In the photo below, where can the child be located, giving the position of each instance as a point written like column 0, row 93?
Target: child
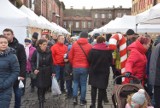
column 137, row 100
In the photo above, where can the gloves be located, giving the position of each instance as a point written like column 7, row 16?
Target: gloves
column 128, row 74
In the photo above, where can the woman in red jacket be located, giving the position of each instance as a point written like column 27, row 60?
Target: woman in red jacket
column 136, row 62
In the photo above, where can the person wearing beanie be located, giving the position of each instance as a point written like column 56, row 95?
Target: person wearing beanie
column 29, row 49
column 78, row 57
column 137, row 100
column 131, row 36
column 34, row 39
column 95, row 38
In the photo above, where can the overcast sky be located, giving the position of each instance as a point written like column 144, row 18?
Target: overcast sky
column 78, row 4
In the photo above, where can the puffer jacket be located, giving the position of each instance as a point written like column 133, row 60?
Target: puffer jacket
column 9, row 71
column 77, row 56
column 137, row 61
column 58, row 50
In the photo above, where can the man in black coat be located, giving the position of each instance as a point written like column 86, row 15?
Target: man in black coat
column 21, row 55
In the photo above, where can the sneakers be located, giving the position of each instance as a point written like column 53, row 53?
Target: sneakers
column 83, row 102
column 75, row 101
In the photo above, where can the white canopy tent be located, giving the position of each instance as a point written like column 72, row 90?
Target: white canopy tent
column 13, row 18
column 37, row 21
column 152, row 16
column 128, row 22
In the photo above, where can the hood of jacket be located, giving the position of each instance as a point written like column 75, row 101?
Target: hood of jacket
column 100, row 46
column 82, row 41
column 138, row 46
column 7, row 52
column 40, row 51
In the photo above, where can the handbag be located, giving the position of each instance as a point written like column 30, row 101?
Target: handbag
column 33, row 76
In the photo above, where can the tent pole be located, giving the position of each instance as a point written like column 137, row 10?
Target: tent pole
column 136, row 27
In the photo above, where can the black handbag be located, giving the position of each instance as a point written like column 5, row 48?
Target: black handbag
column 33, row 76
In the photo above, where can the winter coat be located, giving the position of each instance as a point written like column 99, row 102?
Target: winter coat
column 43, row 78
column 76, row 55
column 21, row 55
column 154, row 70
column 100, row 59
column 9, row 71
column 58, row 51
column 137, row 61
column 31, row 51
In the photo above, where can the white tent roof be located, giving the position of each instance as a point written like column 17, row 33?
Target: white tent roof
column 153, row 16
column 36, row 21
column 128, row 22
column 11, row 16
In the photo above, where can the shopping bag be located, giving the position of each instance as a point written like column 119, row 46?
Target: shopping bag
column 55, row 87
column 21, row 85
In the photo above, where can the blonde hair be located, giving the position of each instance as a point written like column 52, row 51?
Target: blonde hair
column 129, row 99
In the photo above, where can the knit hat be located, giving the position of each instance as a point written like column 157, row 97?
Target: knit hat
column 139, row 97
column 28, row 40
column 35, row 35
column 83, row 34
column 130, row 32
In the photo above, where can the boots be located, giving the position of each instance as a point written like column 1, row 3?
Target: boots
column 92, row 106
column 99, row 106
column 41, row 105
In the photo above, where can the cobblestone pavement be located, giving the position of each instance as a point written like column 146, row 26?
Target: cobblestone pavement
column 30, row 100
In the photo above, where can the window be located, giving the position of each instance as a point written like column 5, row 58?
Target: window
column 77, row 24
column 83, row 24
column 102, row 15
column 96, row 15
column 119, row 14
column 110, row 16
column 89, row 24
column 70, row 24
column 65, row 24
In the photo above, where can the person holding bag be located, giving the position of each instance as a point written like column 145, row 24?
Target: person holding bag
column 43, row 69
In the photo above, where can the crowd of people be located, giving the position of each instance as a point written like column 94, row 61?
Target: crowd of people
column 71, row 60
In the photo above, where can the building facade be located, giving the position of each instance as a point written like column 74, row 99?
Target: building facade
column 50, row 9
column 139, row 6
column 77, row 20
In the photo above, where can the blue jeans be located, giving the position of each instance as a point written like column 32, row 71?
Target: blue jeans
column 60, row 76
column 18, row 93
column 80, row 76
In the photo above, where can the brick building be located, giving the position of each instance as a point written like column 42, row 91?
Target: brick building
column 77, row 20
column 139, row 6
column 50, row 9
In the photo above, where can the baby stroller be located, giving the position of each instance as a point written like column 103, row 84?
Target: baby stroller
column 121, row 91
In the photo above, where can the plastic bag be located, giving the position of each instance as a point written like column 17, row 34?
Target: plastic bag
column 21, row 85
column 55, row 87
